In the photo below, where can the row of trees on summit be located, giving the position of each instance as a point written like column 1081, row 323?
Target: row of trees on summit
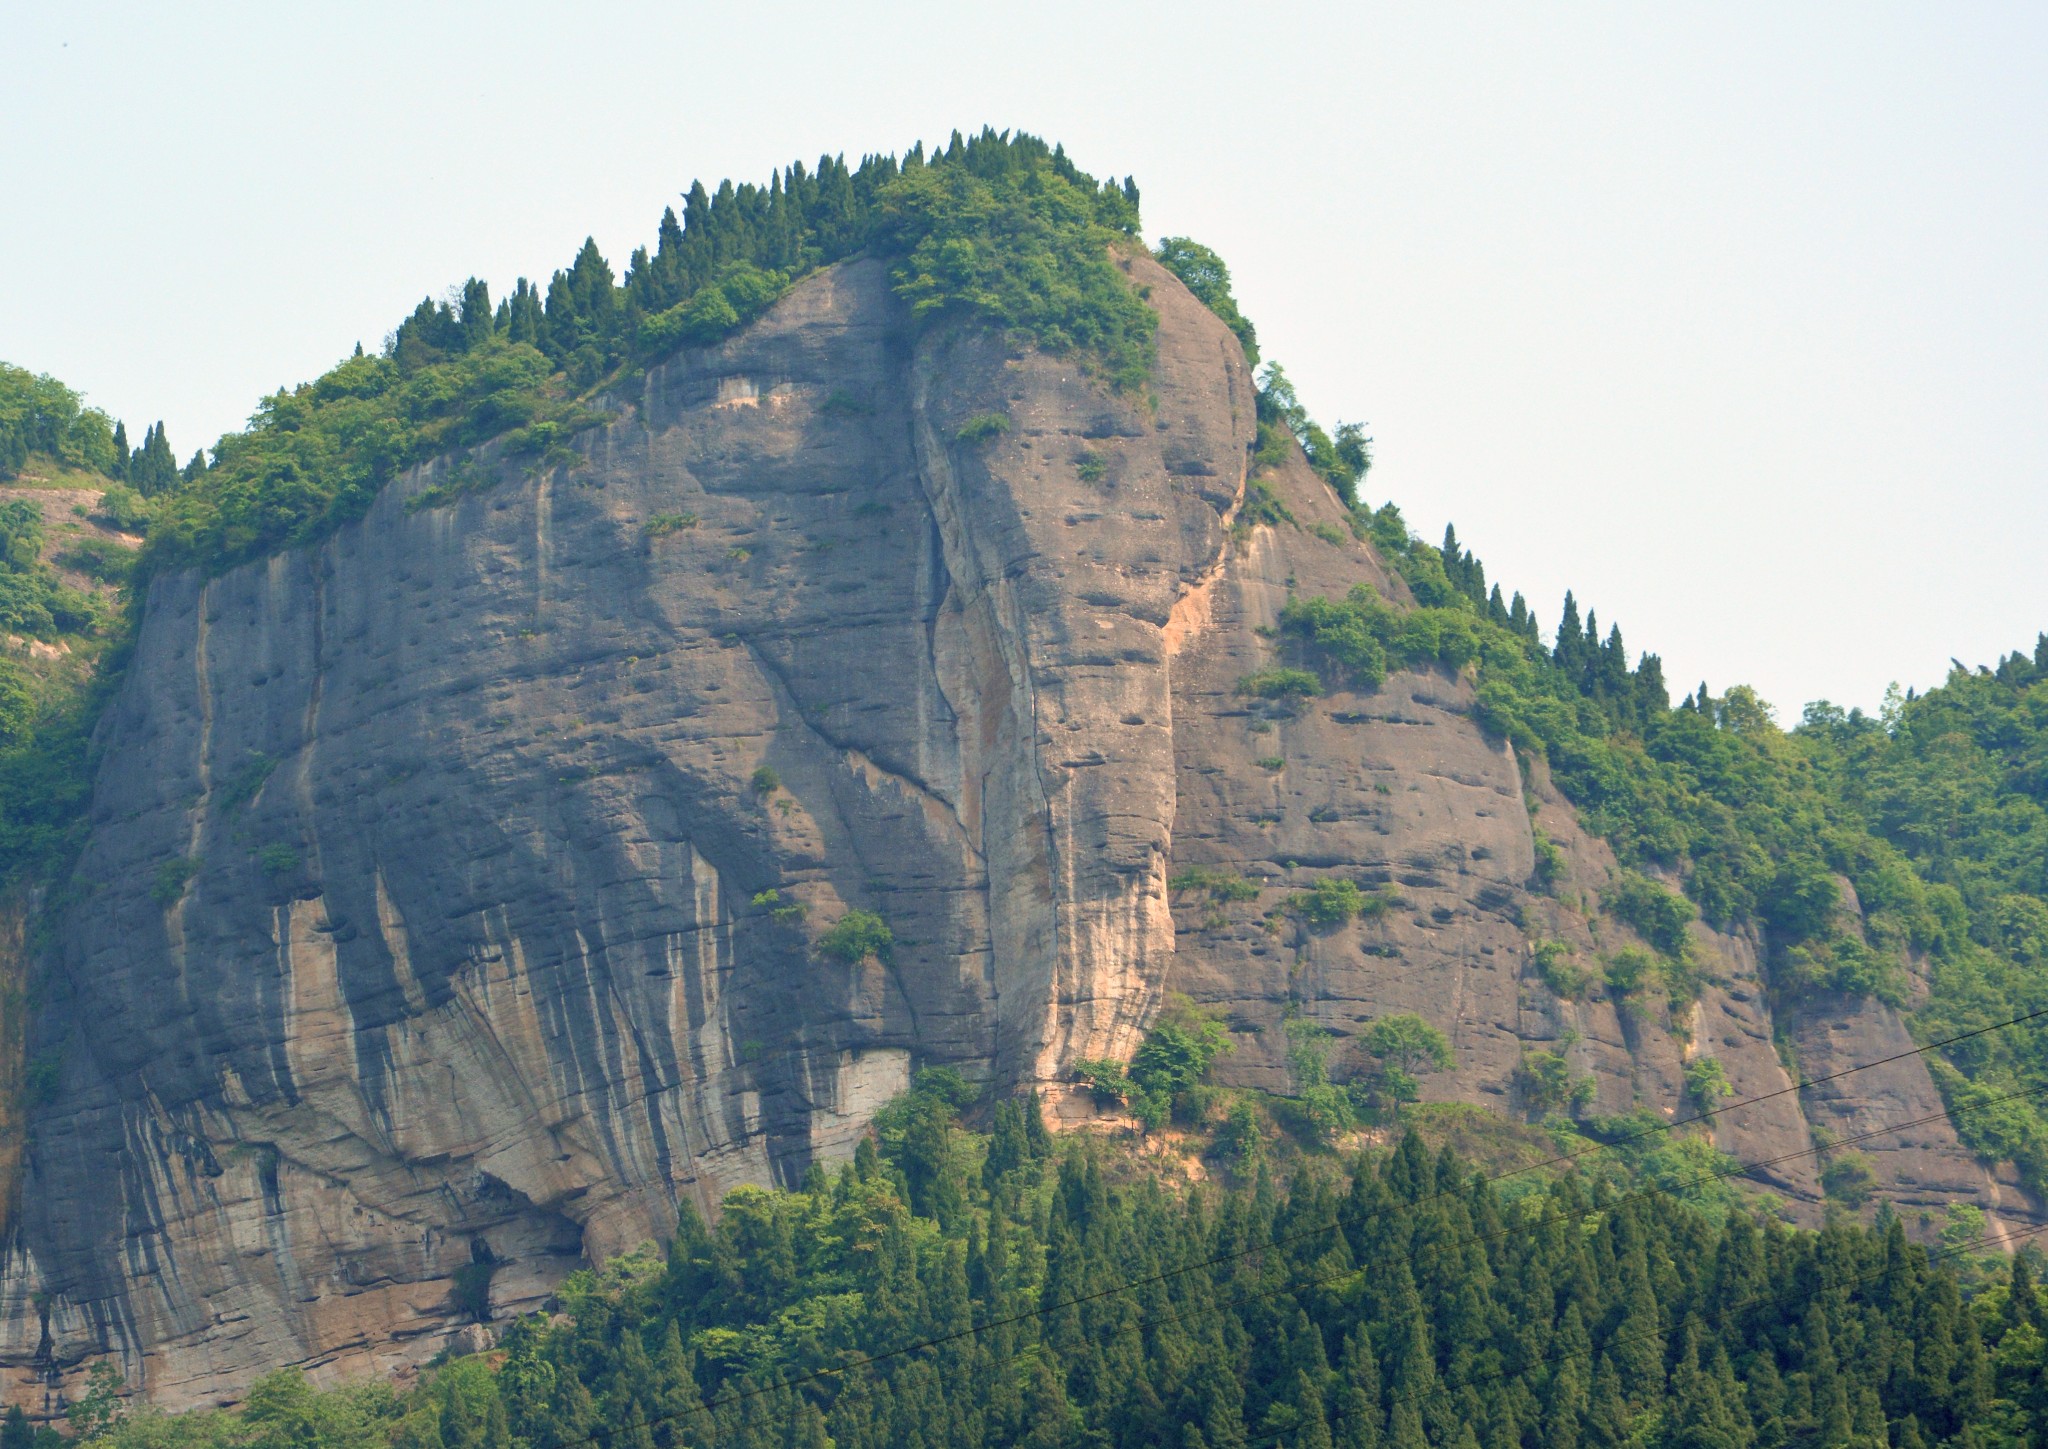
column 41, row 417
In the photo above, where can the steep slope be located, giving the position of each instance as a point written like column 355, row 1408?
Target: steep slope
column 459, row 888
column 1399, row 788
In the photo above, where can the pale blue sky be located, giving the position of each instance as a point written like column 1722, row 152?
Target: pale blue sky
column 1733, row 318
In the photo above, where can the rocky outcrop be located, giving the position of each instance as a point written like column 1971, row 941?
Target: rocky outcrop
column 453, row 903
column 1400, row 789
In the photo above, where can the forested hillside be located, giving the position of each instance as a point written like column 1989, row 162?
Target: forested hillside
column 955, row 1289
column 74, row 496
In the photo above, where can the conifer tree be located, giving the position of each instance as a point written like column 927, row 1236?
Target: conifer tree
column 1311, row 1422
column 1570, row 639
column 153, row 468
column 1359, row 1416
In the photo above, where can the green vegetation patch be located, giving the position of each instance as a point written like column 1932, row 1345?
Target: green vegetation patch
column 1706, row 1082
column 171, row 878
column 661, row 525
column 1658, row 916
column 1280, row 683
column 1009, row 236
column 1166, row 1074
column 41, row 416
column 997, row 230
column 1333, row 901
column 983, row 428
column 1546, row 1082
column 1564, row 975
column 855, row 937
column 1204, row 273
column 1218, row 885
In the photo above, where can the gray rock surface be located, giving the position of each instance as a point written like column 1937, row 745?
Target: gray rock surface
column 425, row 916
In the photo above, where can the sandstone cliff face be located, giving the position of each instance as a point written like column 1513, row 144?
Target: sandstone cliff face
column 1400, row 788
column 424, row 921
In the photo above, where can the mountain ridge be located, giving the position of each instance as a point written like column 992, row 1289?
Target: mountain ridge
column 1108, row 639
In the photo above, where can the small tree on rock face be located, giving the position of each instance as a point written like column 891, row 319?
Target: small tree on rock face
column 1706, row 1082
column 857, row 935
column 1406, row 1045
column 1174, row 1059
column 101, row 1406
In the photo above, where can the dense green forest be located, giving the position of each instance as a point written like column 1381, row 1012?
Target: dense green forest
column 960, row 1289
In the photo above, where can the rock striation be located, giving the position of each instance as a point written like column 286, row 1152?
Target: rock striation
column 453, row 904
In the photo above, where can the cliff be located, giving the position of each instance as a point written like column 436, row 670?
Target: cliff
column 423, row 950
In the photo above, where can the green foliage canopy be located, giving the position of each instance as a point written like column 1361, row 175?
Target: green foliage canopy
column 1398, row 1301
column 997, row 229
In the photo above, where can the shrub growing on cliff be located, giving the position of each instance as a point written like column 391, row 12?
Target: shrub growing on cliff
column 171, row 878
column 982, row 428
column 1546, row 1082
column 1405, row 1046
column 1168, row 1068
column 1631, row 971
column 1329, row 902
column 1262, row 505
column 1280, row 684
column 1659, row 916
column 1333, row 900
column 1339, row 461
column 1706, row 1082
column 1218, row 885
column 1323, row 1108
column 1848, row 1178
column 661, row 525
column 1108, row 1079
column 1560, row 972
column 856, row 936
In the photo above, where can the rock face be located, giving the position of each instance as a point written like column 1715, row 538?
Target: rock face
column 454, row 899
